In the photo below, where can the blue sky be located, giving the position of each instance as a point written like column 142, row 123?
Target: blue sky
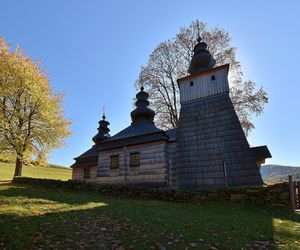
column 93, row 51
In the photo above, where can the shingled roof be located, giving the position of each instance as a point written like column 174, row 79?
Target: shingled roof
column 91, row 152
column 136, row 129
column 141, row 130
column 171, row 133
column 88, row 158
column 261, row 152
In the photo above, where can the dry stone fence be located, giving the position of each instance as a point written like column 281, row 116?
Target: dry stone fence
column 277, row 195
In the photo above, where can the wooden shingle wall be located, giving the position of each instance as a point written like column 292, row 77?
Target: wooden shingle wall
column 171, row 159
column 210, row 134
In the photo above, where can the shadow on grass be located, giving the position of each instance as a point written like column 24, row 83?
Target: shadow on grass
column 32, row 218
column 75, row 217
column 57, row 195
column 5, row 182
column 73, row 229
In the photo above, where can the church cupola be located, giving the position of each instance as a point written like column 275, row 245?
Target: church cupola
column 142, row 112
column 204, row 79
column 102, row 131
column 202, row 59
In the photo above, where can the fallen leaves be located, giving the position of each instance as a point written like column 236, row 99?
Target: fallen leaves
column 94, row 232
column 264, row 244
column 35, row 212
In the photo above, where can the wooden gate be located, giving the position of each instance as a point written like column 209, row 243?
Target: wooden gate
column 294, row 193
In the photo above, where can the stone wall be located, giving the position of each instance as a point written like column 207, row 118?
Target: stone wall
column 276, row 195
column 153, row 170
column 273, row 195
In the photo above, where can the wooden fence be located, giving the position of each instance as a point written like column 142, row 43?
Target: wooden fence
column 294, row 193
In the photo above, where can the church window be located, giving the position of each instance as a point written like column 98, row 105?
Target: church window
column 135, row 159
column 191, row 83
column 114, row 161
column 213, row 77
column 86, row 173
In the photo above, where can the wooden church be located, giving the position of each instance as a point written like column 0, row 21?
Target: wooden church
column 207, row 150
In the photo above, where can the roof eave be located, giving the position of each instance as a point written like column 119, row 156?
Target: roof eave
column 134, row 140
column 204, row 72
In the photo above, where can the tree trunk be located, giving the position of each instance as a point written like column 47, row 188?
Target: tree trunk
column 19, row 165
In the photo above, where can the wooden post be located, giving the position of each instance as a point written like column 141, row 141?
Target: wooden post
column 224, row 172
column 296, row 191
column 125, row 152
column 292, row 194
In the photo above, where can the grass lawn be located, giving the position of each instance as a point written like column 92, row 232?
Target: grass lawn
column 51, row 172
column 32, row 217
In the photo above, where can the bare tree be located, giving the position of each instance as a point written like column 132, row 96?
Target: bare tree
column 170, row 60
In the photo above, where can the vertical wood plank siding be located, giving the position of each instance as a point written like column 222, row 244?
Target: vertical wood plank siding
column 152, row 169
column 78, row 172
column 204, row 86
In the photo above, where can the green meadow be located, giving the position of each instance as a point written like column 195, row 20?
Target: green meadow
column 32, row 217
column 51, row 172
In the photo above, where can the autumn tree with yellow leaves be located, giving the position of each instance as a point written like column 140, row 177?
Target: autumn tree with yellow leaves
column 31, row 114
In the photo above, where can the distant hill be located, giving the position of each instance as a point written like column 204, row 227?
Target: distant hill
column 279, row 173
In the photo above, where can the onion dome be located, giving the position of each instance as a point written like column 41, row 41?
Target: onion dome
column 142, row 112
column 202, row 59
column 102, row 131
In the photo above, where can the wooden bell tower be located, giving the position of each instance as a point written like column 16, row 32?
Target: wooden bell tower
column 212, row 150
